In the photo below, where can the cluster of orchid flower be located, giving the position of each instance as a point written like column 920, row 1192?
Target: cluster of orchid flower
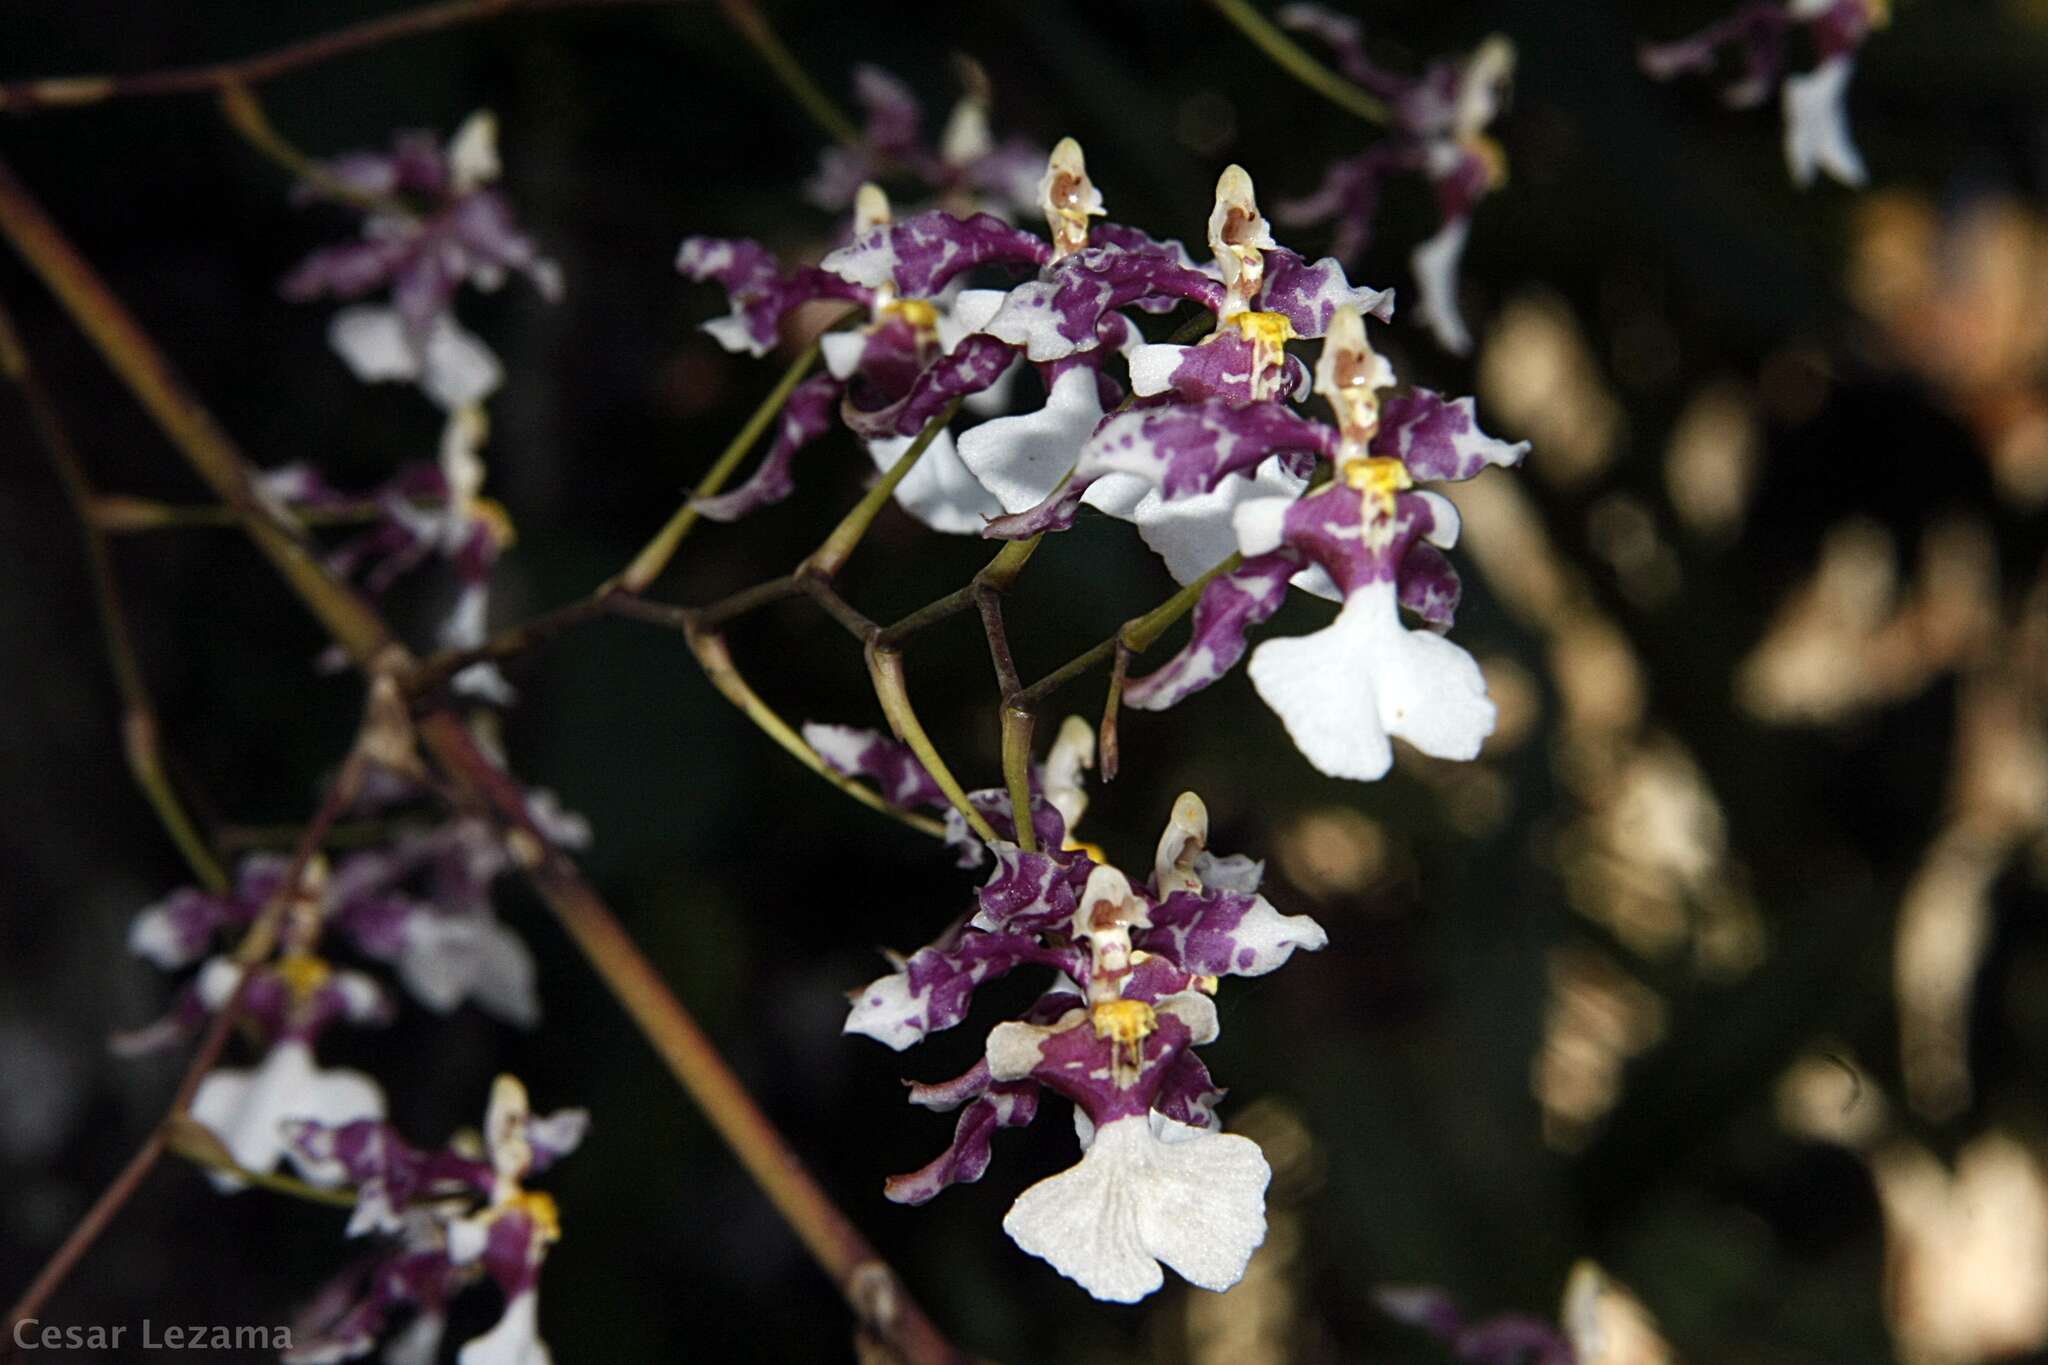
column 1817, row 137
column 432, row 222
column 1209, row 456
column 1236, row 489
column 419, row 903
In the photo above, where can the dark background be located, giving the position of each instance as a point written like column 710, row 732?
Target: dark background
column 1664, row 227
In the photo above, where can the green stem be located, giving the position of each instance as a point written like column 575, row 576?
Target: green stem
column 746, row 16
column 885, row 669
column 648, row 564
column 1296, row 61
column 829, row 558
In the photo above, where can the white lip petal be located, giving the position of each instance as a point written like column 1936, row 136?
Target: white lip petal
column 1344, row 691
column 1435, row 263
column 1137, row 1200
column 246, row 1110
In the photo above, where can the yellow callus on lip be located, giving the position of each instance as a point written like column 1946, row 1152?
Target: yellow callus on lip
column 493, row 515
column 1494, row 156
column 1380, row 475
column 1126, row 1022
column 541, row 1208
column 919, row 313
column 303, row 974
column 1264, row 329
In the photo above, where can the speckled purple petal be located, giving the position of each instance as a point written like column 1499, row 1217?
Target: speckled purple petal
column 1348, row 197
column 921, row 255
column 759, row 290
column 1226, row 933
column 1430, row 587
column 933, row 989
column 1033, row 893
column 807, row 415
column 1188, row 1094
column 1056, row 316
column 1226, row 365
column 1439, row 439
column 990, row 1106
column 1231, row 605
column 1758, row 29
column 1310, row 294
column 1329, row 527
column 346, row 270
column 1185, row 449
column 853, row 752
column 1084, row 1068
column 387, row 1172
column 972, row 366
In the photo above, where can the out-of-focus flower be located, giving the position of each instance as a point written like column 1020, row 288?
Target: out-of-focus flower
column 1816, row 122
column 969, row 171
column 436, row 223
column 453, row 1217
column 1437, row 126
column 425, row 512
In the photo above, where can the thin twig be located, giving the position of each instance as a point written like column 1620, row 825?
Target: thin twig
column 1135, row 635
column 746, row 17
column 1296, row 62
column 892, row 690
column 648, row 564
column 140, row 733
column 830, row 557
column 52, row 91
column 871, row 1289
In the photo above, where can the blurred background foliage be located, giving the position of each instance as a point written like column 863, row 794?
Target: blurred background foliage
column 1724, row 966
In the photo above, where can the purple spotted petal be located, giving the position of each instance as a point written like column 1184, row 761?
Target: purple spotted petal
column 1346, row 41
column 805, row 417
column 1438, row 439
column 1329, row 526
column 1229, row 606
column 1758, row 30
column 1083, row 1067
column 387, row 1172
column 933, row 989
column 989, row 1105
column 1185, row 449
column 1430, row 587
column 1226, row 365
column 890, row 765
column 1188, row 1094
column 1032, row 893
column 975, row 364
column 994, row 805
column 1310, row 294
column 1226, row 933
column 1054, row 317
column 759, row 290
column 349, row 1316
column 921, row 255
column 347, row 270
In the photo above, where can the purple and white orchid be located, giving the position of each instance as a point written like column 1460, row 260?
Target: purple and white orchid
column 917, row 351
column 434, row 223
column 1817, row 137
column 1134, row 969
column 1346, row 690
column 1436, row 129
column 453, row 1216
column 1262, row 295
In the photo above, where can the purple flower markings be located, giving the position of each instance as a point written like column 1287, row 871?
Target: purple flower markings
column 1436, row 129
column 436, row 225
column 1133, row 969
column 447, row 1219
column 1817, row 137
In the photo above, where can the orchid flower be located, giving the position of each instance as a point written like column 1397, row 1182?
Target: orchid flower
column 887, row 379
column 1344, row 691
column 1817, row 137
column 969, row 170
column 1115, row 1033
column 1263, row 297
column 291, row 999
column 426, row 511
column 436, row 225
column 455, row 1215
column 1437, row 129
